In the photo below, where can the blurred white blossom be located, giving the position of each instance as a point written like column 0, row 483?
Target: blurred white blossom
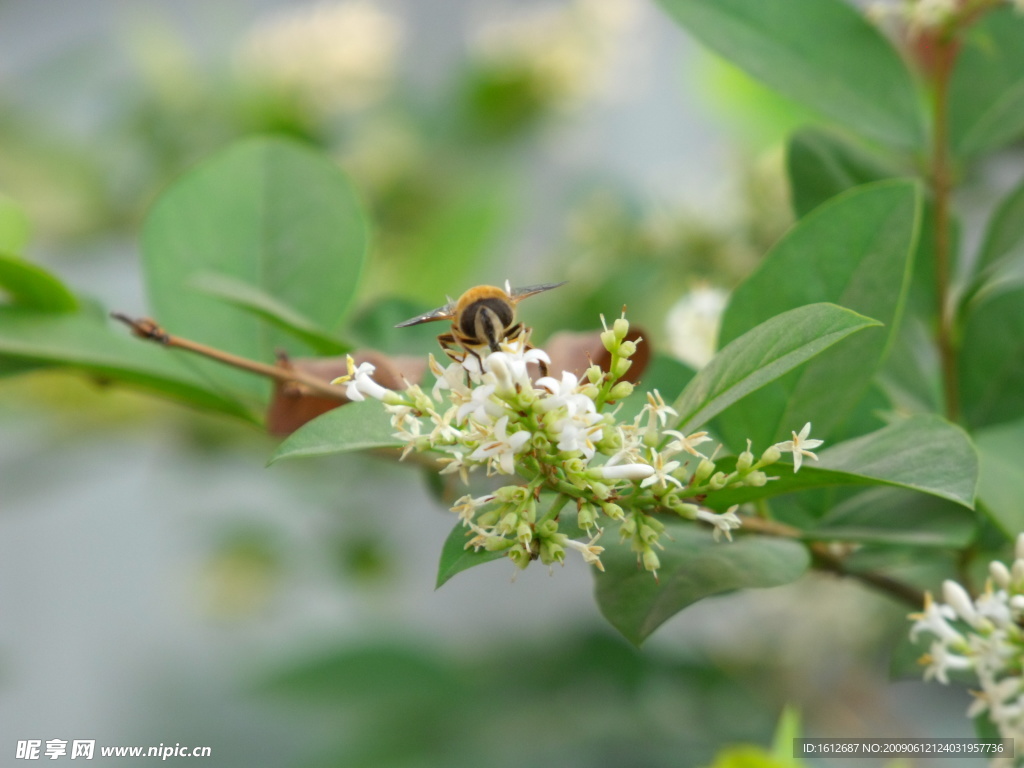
column 328, row 56
column 693, row 323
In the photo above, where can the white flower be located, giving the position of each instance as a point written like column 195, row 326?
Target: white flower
column 693, row 323
column 723, row 522
column 452, row 378
column 466, row 506
column 940, row 659
column 589, row 552
column 359, row 382
column 935, row 619
column 686, row 442
column 629, row 446
column 501, row 449
column 328, row 55
column 800, row 446
column 481, row 406
column 662, row 474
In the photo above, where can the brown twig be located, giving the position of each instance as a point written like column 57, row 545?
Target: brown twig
column 145, row 328
column 826, row 560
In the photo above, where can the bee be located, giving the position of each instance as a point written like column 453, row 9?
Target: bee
column 482, row 317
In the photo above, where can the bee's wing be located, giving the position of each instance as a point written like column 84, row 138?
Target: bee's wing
column 518, row 294
column 441, row 313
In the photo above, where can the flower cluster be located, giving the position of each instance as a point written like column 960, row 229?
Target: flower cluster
column 487, row 411
column 984, row 635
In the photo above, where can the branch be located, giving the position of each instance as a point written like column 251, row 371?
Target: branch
column 147, row 329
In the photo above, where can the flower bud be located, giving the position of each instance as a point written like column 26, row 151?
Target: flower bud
column 489, row 518
column 621, row 391
column 551, row 552
column 547, row 529
column 620, row 366
column 600, row 490
column 1000, row 574
column 650, row 560
column 520, row 556
column 609, row 341
column 614, row 511
column 703, row 471
column 624, row 472
column 524, row 534
column 497, row 544
column 590, row 391
column 756, row 479
column 744, row 461
column 628, row 528
column 627, row 349
column 958, row 599
column 585, row 517
column 718, row 481
column 510, row 494
column 594, row 374
column 647, row 534
column 508, row 523
column 621, row 328
column 771, row 455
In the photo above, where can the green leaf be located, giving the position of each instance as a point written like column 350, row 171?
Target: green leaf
column 33, row 287
column 352, row 427
column 987, row 88
column 693, row 566
column 762, row 355
column 854, row 251
column 262, row 304
column 924, row 453
column 1001, row 482
column 272, row 214
column 14, row 226
column 821, row 165
column 85, row 343
column 455, row 558
column 823, row 53
column 991, row 362
column 895, row 516
column 1000, row 266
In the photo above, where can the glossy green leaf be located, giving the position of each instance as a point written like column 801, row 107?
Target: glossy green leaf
column 272, row 214
column 823, row 53
column 351, row 427
column 854, row 251
column 1001, row 482
column 991, row 361
column 263, row 305
column 455, row 558
column 761, row 355
column 693, row 566
column 987, row 89
column 14, row 226
column 82, row 342
column 923, row 453
column 33, row 287
column 821, row 165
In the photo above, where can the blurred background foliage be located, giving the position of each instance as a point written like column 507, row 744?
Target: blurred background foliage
column 160, row 586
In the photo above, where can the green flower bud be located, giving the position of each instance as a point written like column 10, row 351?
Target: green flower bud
column 600, row 490
column 497, row 544
column 704, row 470
column 541, row 443
column 628, row 528
column 489, row 518
column 590, row 390
column 744, row 461
column 585, row 517
column 621, row 328
column 756, row 479
column 547, row 529
column 609, row 341
column 647, row 534
column 620, row 366
column 627, row 349
column 688, row 511
column 520, row 556
column 524, row 534
column 594, row 374
column 771, row 455
column 650, row 560
column 654, row 523
column 718, row 481
column 508, row 523
column 510, row 494
column 621, row 391
column 614, row 511
column 551, row 552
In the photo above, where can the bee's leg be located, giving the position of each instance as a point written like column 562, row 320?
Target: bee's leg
column 450, row 345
